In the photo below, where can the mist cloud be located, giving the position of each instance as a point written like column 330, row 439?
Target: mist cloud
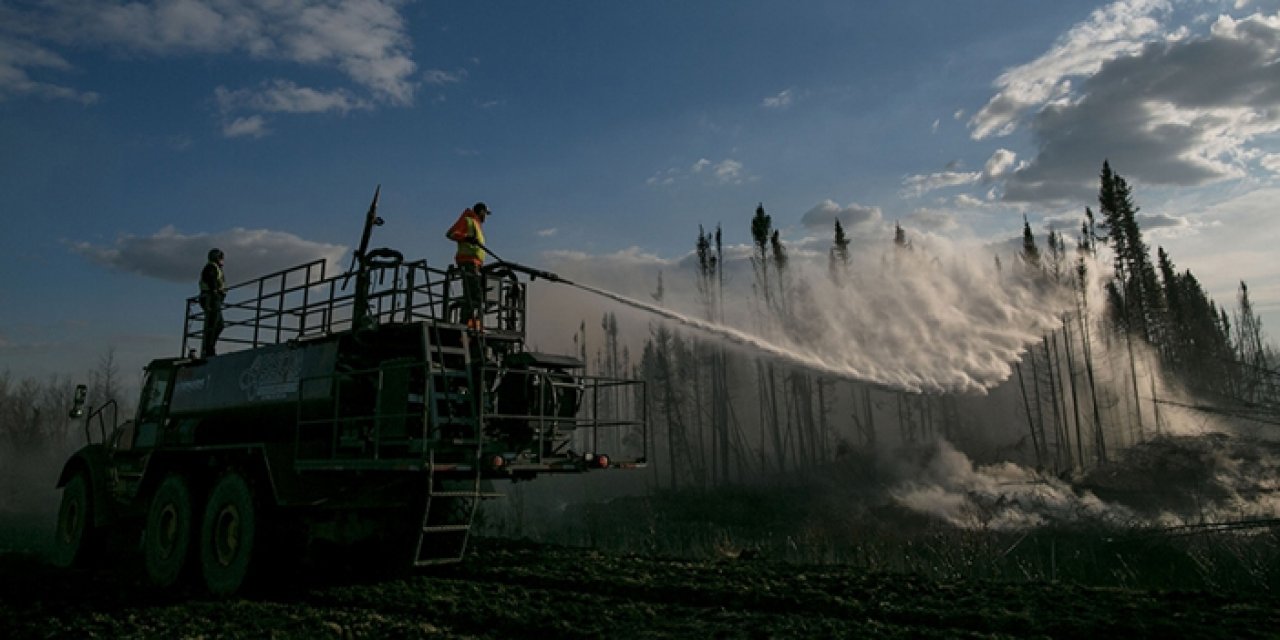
column 939, row 318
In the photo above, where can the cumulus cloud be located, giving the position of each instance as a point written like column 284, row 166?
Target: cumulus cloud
column 1271, row 162
column 176, row 257
column 1118, row 29
column 366, row 40
column 728, row 171
column 824, row 215
column 999, row 163
column 1176, row 110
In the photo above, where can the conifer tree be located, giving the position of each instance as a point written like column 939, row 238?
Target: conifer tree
column 838, row 259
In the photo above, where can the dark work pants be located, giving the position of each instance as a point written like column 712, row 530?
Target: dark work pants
column 213, row 324
column 472, row 293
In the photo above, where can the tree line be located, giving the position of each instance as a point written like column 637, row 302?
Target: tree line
column 1106, row 377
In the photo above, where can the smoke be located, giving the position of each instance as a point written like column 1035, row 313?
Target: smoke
column 944, row 484
column 1169, row 481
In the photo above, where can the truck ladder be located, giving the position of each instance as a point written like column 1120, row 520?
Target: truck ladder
column 453, row 495
column 451, row 505
column 452, row 396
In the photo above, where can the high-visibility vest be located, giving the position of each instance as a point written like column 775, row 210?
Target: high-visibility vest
column 468, row 225
column 219, row 283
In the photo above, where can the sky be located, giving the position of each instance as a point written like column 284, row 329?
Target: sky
column 137, row 135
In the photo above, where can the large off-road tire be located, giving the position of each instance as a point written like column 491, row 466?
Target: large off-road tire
column 167, row 539
column 75, row 541
column 228, row 534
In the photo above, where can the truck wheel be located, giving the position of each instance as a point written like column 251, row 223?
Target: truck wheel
column 74, row 541
column 227, row 535
column 167, row 539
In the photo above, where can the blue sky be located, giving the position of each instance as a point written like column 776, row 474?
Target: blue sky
column 136, row 135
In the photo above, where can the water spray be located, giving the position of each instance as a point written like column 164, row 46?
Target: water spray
column 735, row 336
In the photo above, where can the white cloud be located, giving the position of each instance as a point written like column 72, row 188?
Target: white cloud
column 176, row 257
column 999, row 162
column 283, row 96
column 547, row 233
column 251, row 126
column 1183, row 112
column 441, row 77
column 780, row 101
column 995, row 167
column 967, row 201
column 630, row 257
column 1119, row 29
column 18, row 57
column 365, row 39
column 1271, row 162
column 920, row 184
column 727, row 171
column 824, row 215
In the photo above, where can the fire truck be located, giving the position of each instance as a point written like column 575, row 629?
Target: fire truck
column 342, row 409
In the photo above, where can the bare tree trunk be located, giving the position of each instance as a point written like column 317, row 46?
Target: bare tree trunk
column 1133, row 377
column 1031, row 424
column 1054, row 397
column 1075, row 396
column 1100, row 449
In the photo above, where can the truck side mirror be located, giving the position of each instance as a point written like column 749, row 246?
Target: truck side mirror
column 77, row 408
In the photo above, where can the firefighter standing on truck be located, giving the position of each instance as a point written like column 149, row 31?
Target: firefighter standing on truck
column 469, row 235
column 213, row 290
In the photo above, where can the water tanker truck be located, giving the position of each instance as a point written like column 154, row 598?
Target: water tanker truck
column 350, row 410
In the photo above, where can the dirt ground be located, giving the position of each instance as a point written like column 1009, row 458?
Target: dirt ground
column 510, row 589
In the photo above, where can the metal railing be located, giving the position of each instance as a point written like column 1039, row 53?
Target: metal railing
column 361, row 424
column 303, row 302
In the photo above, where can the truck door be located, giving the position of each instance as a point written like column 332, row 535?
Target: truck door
column 136, row 439
column 153, row 407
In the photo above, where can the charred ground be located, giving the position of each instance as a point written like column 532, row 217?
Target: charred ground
column 507, row 589
column 833, row 555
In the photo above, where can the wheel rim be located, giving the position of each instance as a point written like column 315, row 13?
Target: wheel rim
column 226, row 535
column 71, row 522
column 168, row 530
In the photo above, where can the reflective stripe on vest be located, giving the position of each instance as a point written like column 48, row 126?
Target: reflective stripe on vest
column 468, row 225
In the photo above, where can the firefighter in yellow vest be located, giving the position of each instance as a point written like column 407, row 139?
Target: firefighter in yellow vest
column 469, row 235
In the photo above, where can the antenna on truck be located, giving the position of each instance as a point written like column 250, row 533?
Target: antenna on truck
column 360, row 317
